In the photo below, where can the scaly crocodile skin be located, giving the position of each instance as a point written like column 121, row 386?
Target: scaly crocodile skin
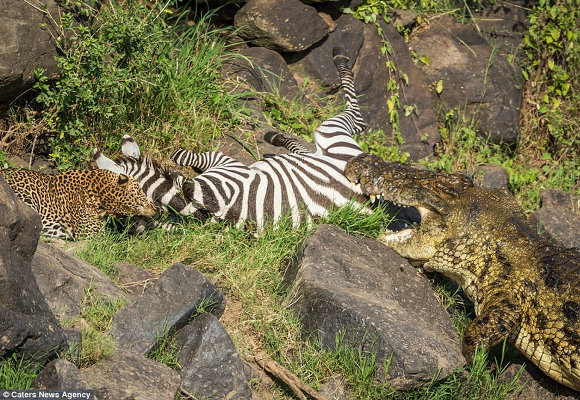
column 524, row 288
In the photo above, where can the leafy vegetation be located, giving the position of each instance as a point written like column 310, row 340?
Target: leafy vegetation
column 135, row 70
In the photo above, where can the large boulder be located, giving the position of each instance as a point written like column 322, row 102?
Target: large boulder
column 210, row 364
column 476, row 78
column 164, row 308
column 129, row 376
column 263, row 70
column 419, row 130
column 59, row 374
column 64, row 280
column 317, row 61
column 366, row 295
column 28, row 31
column 26, row 322
column 288, row 25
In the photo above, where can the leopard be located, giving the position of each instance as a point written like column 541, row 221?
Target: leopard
column 74, row 204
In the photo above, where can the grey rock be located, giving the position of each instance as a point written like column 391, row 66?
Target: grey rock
column 64, row 279
column 264, row 70
column 26, row 44
column 404, row 18
column 287, row 25
column 554, row 198
column 475, row 80
column 334, row 388
column 370, row 297
column 133, row 279
column 536, row 385
column 504, row 24
column 419, row 130
column 492, row 176
column 165, row 307
column 129, row 376
column 26, row 323
column 558, row 223
column 317, row 61
column 59, row 374
column 211, row 366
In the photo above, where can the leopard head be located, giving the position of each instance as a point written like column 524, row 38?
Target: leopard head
column 121, row 195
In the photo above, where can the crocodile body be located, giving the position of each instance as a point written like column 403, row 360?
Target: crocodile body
column 524, row 288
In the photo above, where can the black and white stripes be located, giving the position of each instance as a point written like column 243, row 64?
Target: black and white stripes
column 303, row 184
column 278, row 139
column 161, row 185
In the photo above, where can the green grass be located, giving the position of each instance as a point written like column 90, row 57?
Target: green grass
column 17, row 373
column 249, row 271
column 166, row 351
column 94, row 322
column 302, row 115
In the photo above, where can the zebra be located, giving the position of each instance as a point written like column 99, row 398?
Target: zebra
column 161, row 185
column 306, row 185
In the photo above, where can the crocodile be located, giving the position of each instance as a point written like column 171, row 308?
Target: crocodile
column 525, row 289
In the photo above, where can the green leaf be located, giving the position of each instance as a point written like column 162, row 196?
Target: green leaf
column 439, row 86
column 565, row 88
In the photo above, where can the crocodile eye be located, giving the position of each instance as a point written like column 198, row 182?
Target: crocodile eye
column 571, row 310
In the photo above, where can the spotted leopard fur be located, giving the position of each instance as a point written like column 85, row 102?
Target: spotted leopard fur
column 74, row 203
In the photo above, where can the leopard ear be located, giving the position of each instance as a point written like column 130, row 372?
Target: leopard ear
column 123, row 179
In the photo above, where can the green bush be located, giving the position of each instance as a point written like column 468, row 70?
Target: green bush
column 136, row 70
column 551, row 66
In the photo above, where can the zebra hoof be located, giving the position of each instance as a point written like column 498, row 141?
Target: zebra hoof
column 270, row 136
column 339, row 52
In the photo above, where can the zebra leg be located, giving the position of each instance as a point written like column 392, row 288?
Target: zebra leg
column 334, row 137
column 201, row 162
column 289, row 143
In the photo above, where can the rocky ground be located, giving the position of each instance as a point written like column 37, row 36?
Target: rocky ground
column 362, row 284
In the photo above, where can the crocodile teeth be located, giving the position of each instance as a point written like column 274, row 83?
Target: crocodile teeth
column 401, row 236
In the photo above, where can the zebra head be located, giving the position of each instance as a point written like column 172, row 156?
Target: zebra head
column 162, row 186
